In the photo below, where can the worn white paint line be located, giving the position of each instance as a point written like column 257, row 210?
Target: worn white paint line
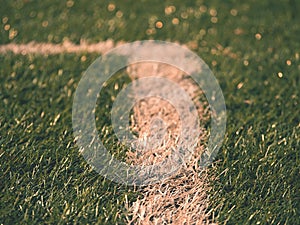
column 65, row 47
column 182, row 198
column 44, row 48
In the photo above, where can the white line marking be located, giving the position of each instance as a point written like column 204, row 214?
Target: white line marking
column 65, row 47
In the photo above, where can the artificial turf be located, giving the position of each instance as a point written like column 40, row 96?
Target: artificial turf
column 254, row 51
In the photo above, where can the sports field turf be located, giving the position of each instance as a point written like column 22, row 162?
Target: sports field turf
column 252, row 47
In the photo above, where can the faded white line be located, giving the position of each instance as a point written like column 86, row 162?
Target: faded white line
column 44, row 48
column 65, row 47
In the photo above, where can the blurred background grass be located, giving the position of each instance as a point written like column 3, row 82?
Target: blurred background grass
column 253, row 49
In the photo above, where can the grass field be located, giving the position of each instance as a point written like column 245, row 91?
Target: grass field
column 253, row 49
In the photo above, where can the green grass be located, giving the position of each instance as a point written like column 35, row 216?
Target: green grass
column 45, row 180
column 44, row 177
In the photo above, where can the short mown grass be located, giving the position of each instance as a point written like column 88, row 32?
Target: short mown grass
column 44, row 178
column 253, row 49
